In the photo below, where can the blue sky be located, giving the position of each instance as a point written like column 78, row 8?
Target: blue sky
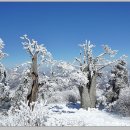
column 62, row 26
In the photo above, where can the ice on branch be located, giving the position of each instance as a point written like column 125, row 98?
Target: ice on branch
column 2, row 54
column 109, row 51
column 33, row 48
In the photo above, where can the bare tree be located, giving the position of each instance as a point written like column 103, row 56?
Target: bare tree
column 92, row 66
column 35, row 51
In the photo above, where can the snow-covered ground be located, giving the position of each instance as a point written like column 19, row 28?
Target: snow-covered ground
column 69, row 115
column 65, row 115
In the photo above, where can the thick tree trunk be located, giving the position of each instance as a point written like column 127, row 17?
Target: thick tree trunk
column 84, row 96
column 88, row 94
column 33, row 95
column 92, row 91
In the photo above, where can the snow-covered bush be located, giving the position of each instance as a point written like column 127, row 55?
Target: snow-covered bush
column 4, row 96
column 122, row 105
column 24, row 116
column 22, row 90
column 71, row 96
column 65, row 96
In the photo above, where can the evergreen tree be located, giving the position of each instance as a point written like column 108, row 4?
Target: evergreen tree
column 118, row 80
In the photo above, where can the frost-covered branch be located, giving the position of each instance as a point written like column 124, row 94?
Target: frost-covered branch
column 105, row 65
column 34, row 48
column 2, row 54
column 87, row 47
column 79, row 60
column 99, row 62
column 109, row 51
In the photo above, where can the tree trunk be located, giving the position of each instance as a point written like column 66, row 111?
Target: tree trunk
column 84, row 96
column 88, row 94
column 92, row 91
column 33, row 95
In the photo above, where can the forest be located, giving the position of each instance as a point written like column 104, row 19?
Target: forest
column 94, row 90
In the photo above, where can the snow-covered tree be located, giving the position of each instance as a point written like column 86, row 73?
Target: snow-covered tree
column 122, row 105
column 4, row 88
column 118, row 90
column 2, row 69
column 36, row 51
column 92, row 67
column 118, row 80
